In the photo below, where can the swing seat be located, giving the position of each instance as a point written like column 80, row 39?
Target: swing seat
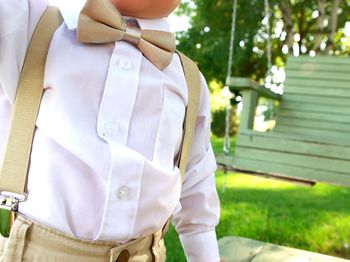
column 311, row 139
column 240, row 249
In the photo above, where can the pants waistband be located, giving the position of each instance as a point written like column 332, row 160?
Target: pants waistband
column 36, row 242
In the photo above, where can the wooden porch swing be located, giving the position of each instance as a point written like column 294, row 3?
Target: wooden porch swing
column 311, row 139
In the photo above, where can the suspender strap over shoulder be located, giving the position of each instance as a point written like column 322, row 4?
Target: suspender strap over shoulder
column 26, row 107
column 192, row 76
column 14, row 169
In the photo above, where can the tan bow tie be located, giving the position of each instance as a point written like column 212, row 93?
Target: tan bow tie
column 101, row 22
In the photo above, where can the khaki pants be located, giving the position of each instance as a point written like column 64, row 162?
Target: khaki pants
column 32, row 242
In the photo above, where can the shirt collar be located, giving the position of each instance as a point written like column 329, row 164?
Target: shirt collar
column 70, row 12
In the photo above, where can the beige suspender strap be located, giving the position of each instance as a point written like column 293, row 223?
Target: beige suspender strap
column 192, row 76
column 13, row 174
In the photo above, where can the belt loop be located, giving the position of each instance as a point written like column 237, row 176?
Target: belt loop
column 155, row 247
column 16, row 241
column 158, row 249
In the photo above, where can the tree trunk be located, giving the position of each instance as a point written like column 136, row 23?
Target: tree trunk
column 288, row 23
column 319, row 26
column 302, row 29
column 332, row 25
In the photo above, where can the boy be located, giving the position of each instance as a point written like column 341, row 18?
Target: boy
column 103, row 163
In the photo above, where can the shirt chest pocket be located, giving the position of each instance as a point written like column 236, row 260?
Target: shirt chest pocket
column 170, row 128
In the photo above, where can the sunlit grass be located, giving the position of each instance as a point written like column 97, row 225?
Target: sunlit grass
column 312, row 218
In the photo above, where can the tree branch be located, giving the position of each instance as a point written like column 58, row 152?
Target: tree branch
column 332, row 25
column 286, row 9
column 319, row 25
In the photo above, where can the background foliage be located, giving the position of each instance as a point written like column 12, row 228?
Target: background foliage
column 207, row 40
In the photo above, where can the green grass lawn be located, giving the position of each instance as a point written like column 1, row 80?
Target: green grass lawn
column 312, row 218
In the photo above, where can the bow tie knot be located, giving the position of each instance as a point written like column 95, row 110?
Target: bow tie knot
column 100, row 22
column 132, row 34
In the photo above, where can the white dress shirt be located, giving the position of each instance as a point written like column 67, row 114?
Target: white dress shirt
column 108, row 134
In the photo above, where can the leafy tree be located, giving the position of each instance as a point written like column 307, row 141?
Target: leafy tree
column 303, row 22
column 207, row 40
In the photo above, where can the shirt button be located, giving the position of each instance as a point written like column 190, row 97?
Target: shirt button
column 125, row 64
column 111, row 128
column 123, row 193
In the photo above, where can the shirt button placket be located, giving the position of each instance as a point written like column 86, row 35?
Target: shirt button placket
column 121, row 89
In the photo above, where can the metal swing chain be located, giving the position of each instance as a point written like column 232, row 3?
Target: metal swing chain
column 232, row 39
column 226, row 147
column 268, row 52
column 268, row 44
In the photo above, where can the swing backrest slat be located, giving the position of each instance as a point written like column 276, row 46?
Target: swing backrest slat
column 316, row 99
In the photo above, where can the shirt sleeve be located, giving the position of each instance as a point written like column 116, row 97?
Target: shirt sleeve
column 199, row 210
column 18, row 19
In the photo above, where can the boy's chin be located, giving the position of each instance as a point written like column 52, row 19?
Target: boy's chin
column 146, row 8
column 145, row 15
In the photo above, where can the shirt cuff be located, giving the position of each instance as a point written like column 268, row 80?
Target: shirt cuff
column 201, row 247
